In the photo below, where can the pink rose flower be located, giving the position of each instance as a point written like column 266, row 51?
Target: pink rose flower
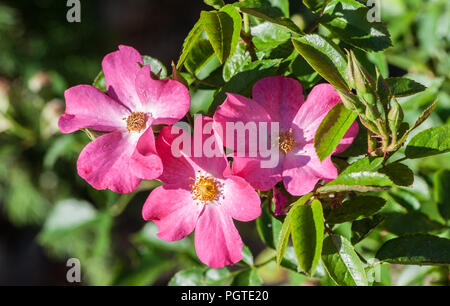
column 120, row 159
column 280, row 99
column 200, row 193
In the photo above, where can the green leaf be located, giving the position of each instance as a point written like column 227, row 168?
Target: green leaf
column 442, row 192
column 147, row 236
column 61, row 146
column 247, row 277
column 100, row 82
column 156, row 66
column 147, row 266
column 287, row 227
column 283, row 5
column 413, row 222
column 264, row 10
column 432, row 141
column 347, row 20
column 342, row 263
column 362, row 228
column 266, row 36
column 243, row 81
column 201, row 101
column 416, row 250
column 247, row 256
column 361, row 206
column 364, row 164
column 402, row 87
column 406, row 198
column 333, row 127
column 223, row 29
column 67, row 215
column 289, row 260
column 268, row 227
column 236, row 63
column 382, row 87
column 217, row 4
column 216, row 277
column 301, row 70
column 314, row 5
column 363, row 181
column 325, row 57
column 307, row 235
column 74, row 228
column 201, row 54
column 398, row 173
column 189, row 277
column 22, row 201
column 284, row 237
column 200, row 277
column 426, row 113
column 360, row 176
column 188, row 44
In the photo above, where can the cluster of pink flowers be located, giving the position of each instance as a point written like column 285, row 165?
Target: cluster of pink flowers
column 203, row 194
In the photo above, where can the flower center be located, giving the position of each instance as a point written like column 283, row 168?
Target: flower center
column 136, row 122
column 286, row 142
column 205, row 189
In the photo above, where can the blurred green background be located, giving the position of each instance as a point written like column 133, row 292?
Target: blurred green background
column 48, row 214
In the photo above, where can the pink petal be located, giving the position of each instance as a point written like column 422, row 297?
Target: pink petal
column 240, row 200
column 320, row 101
column 88, row 107
column 120, row 69
column 214, row 162
column 238, row 109
column 303, row 169
column 348, row 138
column 166, row 100
column 105, row 163
column 176, row 170
column 217, row 241
column 259, row 178
column 173, row 211
column 145, row 161
column 184, row 164
column 280, row 202
column 281, row 97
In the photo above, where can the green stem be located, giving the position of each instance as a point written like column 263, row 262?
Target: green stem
column 121, row 203
column 265, row 262
column 203, row 82
column 18, row 130
column 313, row 27
column 247, row 38
column 190, row 120
column 400, row 160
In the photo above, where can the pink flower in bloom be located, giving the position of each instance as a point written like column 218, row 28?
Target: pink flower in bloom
column 200, row 193
column 134, row 102
column 280, row 99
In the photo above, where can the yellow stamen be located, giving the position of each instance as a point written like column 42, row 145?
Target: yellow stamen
column 205, row 189
column 136, row 122
column 286, row 142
